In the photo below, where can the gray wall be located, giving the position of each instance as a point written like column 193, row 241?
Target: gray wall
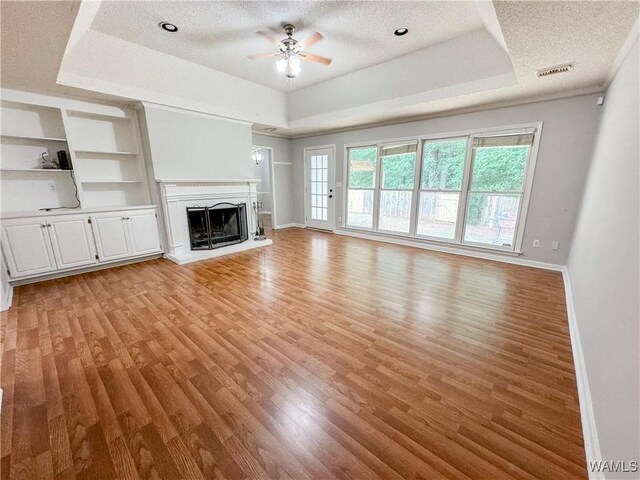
column 197, row 146
column 604, row 270
column 284, row 182
column 262, row 172
column 565, row 149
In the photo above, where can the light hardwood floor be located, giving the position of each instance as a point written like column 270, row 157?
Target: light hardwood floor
column 317, row 357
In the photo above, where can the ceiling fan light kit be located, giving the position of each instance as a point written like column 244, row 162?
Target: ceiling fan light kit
column 291, row 52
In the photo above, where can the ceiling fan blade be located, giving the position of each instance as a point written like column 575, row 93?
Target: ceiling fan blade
column 312, row 40
column 263, row 55
column 269, row 37
column 315, row 58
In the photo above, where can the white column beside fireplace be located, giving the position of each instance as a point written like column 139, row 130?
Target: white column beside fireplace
column 178, row 195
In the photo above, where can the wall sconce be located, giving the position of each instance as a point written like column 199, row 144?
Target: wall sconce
column 257, row 155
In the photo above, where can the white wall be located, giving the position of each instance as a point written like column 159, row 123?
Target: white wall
column 285, row 184
column 196, row 146
column 565, row 148
column 604, row 270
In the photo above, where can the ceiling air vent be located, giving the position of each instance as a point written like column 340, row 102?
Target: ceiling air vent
column 545, row 72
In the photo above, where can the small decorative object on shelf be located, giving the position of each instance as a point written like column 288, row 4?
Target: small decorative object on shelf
column 63, row 160
column 47, row 163
column 257, row 207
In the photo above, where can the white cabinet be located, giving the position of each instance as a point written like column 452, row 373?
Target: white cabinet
column 143, row 231
column 40, row 245
column 112, row 240
column 27, row 247
column 72, row 240
column 126, row 234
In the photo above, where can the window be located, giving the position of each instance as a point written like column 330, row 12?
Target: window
column 469, row 189
column 496, row 190
column 361, row 186
column 441, row 186
column 397, row 182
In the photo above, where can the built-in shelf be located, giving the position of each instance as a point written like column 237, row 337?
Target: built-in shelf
column 103, row 144
column 102, row 152
column 106, row 182
column 40, row 170
column 39, row 139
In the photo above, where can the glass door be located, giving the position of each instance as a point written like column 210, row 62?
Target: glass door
column 319, row 166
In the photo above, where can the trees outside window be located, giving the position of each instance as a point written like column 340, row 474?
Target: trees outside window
column 466, row 190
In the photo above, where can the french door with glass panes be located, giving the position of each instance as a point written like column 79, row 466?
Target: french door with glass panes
column 319, row 194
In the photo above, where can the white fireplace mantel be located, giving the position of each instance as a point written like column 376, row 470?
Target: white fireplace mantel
column 178, row 194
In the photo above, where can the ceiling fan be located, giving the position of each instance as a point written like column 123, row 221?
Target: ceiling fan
column 291, row 51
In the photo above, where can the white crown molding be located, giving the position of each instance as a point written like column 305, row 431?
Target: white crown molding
column 170, row 108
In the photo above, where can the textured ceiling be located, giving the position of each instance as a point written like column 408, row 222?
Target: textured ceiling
column 535, row 34
column 34, row 37
column 220, row 35
column 542, row 34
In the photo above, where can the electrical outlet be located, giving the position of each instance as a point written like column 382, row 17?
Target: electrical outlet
column 52, row 187
column 536, row 243
column 338, row 184
column 339, row 219
column 555, row 245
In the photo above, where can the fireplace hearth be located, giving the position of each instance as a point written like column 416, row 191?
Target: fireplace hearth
column 218, row 226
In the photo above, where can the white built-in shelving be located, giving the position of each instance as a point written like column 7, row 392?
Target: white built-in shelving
column 102, row 143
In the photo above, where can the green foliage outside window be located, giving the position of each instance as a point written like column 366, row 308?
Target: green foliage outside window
column 362, row 168
column 443, row 164
column 398, row 171
column 499, row 168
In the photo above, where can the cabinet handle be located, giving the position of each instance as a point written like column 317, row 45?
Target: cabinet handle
column 42, row 225
column 48, row 224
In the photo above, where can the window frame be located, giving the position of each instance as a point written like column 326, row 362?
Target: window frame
column 458, row 241
column 347, row 187
column 380, row 189
column 457, row 233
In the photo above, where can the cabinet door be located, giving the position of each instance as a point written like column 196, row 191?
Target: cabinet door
column 72, row 240
column 27, row 247
column 143, row 231
column 112, row 239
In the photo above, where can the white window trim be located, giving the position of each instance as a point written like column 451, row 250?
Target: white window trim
column 457, row 242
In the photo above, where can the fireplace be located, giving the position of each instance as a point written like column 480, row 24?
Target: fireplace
column 217, row 226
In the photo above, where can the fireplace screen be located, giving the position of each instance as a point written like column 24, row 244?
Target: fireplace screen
column 218, row 226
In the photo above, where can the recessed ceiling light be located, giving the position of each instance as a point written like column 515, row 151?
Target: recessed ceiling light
column 401, row 31
column 169, row 27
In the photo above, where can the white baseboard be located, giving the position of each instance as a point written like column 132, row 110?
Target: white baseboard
column 77, row 271
column 7, row 298
column 506, row 257
column 589, row 430
column 289, row 225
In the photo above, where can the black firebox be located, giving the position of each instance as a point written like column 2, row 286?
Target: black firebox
column 218, row 226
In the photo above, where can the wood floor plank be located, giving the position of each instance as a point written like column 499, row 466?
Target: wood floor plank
column 317, row 357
